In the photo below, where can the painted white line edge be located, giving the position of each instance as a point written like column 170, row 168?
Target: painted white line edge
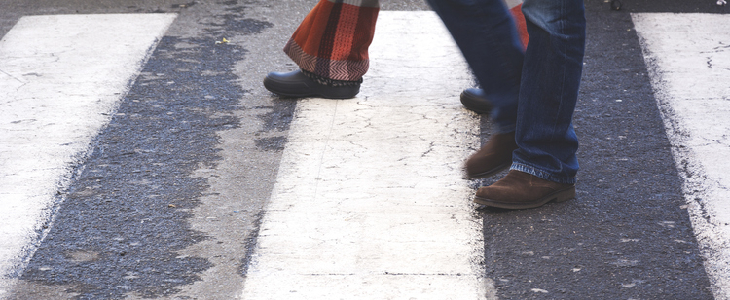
column 688, row 58
column 369, row 202
column 62, row 77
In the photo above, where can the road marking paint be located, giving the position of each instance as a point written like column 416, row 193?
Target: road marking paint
column 369, row 201
column 688, row 57
column 61, row 78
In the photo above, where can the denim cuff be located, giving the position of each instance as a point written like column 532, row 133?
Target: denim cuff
column 541, row 174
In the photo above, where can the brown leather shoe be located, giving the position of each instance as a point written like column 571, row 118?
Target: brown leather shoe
column 519, row 190
column 494, row 157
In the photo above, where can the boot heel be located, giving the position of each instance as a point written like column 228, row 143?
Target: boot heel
column 565, row 195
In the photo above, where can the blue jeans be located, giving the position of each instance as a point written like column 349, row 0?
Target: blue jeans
column 534, row 92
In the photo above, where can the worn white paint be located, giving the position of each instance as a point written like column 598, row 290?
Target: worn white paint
column 370, row 202
column 688, row 56
column 61, row 77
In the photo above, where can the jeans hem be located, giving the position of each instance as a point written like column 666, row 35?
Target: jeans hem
column 541, row 174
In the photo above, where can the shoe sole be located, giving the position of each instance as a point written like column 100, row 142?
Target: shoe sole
column 557, row 196
column 474, row 103
column 338, row 93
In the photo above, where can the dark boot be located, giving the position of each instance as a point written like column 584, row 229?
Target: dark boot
column 494, row 157
column 476, row 101
column 519, row 190
column 298, row 85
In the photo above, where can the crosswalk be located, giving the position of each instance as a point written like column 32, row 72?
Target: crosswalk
column 688, row 57
column 62, row 78
column 325, row 228
column 334, row 228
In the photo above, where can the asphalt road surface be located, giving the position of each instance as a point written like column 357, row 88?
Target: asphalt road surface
column 141, row 157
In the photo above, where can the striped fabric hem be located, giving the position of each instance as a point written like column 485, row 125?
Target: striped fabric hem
column 334, row 69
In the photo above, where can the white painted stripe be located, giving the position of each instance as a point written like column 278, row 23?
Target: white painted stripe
column 369, row 201
column 61, row 76
column 688, row 57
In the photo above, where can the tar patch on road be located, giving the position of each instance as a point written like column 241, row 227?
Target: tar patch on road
column 122, row 221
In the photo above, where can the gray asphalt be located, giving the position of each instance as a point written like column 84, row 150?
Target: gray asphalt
column 628, row 234
column 133, row 222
